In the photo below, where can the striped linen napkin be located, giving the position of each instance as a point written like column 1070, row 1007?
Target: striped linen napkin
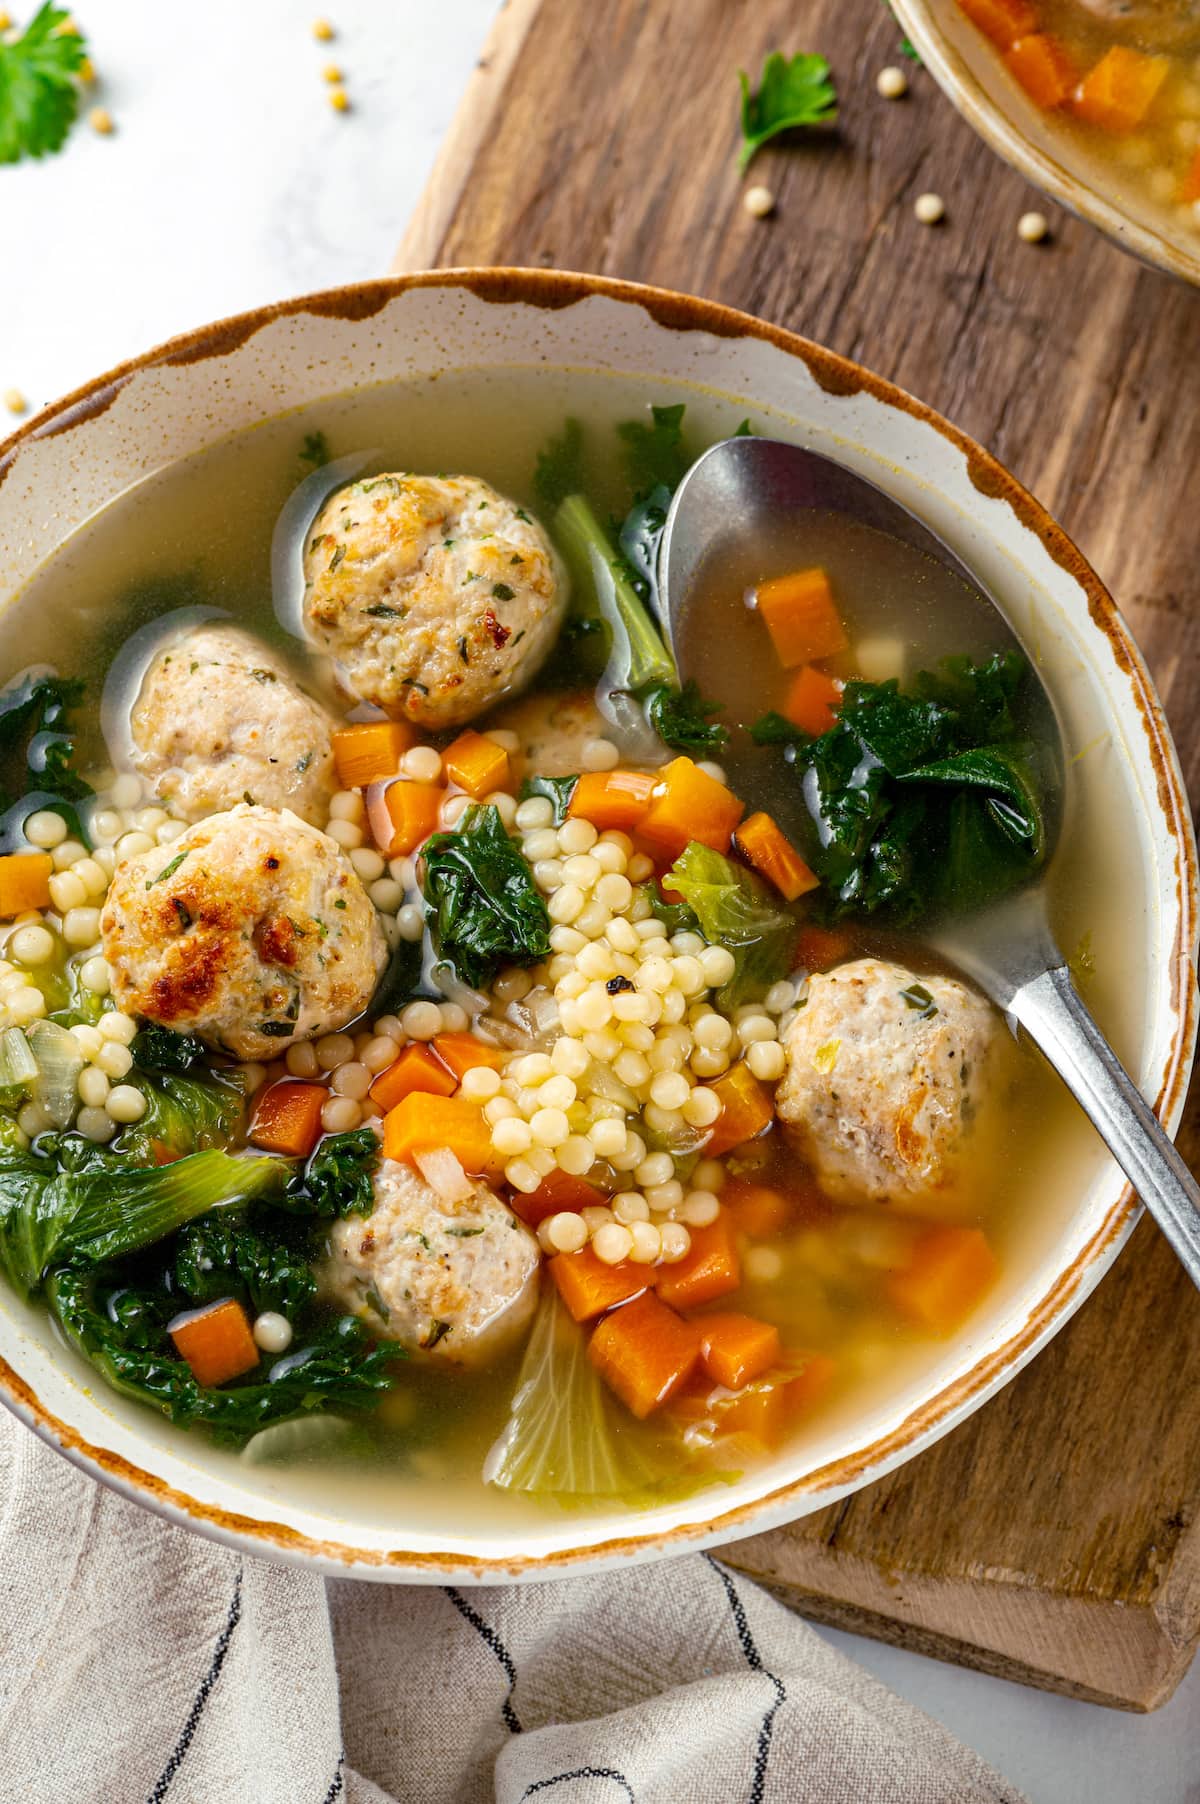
column 142, row 1664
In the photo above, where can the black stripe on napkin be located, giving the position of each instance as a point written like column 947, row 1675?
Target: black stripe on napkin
column 581, row 1772
column 202, row 1696
column 754, row 1661
column 498, row 1648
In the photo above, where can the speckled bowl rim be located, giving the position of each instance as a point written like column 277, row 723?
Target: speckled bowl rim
column 837, row 375
column 1064, row 180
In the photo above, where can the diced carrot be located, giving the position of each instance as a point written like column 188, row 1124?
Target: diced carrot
column 1001, row 20
column 770, row 1407
column 708, row 1270
column 613, row 799
column 588, row 1287
column 370, row 751
column 801, row 616
column 813, row 700
column 423, row 1122
column 762, row 844
column 746, row 1109
column 24, row 882
column 689, row 804
column 1191, row 181
column 736, row 1349
column 757, row 1209
column 1119, row 91
column 644, row 1352
column 949, row 1272
column 403, row 814
column 817, row 948
column 417, row 1068
column 216, row 1341
column 287, row 1118
column 463, row 1052
column 1045, row 69
column 477, row 764
column 557, row 1191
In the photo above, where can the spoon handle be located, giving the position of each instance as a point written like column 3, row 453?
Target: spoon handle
column 1050, row 1010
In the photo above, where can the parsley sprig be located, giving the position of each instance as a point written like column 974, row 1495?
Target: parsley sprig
column 792, row 92
column 39, row 94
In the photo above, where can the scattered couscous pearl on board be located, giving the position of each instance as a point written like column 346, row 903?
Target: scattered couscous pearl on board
column 759, row 201
column 339, row 100
column 322, row 30
column 1033, row 228
column 101, row 121
column 930, row 209
column 891, row 83
column 15, row 401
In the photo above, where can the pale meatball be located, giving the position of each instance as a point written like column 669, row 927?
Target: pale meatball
column 454, row 1281
column 434, row 595
column 553, row 730
column 251, row 930
column 220, row 720
column 1151, row 24
column 886, row 1081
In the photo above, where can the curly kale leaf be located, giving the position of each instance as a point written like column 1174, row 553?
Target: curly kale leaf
column 483, row 907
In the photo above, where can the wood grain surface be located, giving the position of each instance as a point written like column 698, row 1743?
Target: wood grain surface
column 1055, row 1537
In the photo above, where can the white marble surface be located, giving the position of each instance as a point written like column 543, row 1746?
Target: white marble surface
column 231, row 181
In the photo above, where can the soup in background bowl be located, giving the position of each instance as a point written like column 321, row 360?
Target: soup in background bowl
column 1095, row 101
column 448, row 1125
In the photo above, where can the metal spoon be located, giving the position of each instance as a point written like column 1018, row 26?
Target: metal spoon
column 741, row 494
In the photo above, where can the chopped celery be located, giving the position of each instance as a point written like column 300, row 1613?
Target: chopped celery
column 18, row 1067
column 60, row 1062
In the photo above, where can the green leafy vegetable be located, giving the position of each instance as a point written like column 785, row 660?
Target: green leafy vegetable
column 655, row 454
column 338, row 1178
column 792, row 92
column 680, row 717
column 39, row 96
column 926, row 801
column 158, row 1049
column 775, row 729
column 580, row 653
column 676, row 917
column 566, row 1438
column 637, row 657
column 314, row 452
column 402, row 980
column 736, row 910
column 557, row 790
column 223, row 1256
column 639, row 537
column 37, row 751
column 560, row 467
column 122, row 1332
column 184, row 1115
column 481, row 902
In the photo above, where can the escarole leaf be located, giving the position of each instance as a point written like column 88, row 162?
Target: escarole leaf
column 566, row 1439
column 737, row 911
column 481, row 903
column 183, row 1115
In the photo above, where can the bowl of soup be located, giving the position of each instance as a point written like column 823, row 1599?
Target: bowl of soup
column 1097, row 102
column 458, row 1114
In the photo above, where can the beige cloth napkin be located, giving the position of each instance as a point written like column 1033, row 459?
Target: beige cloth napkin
column 141, row 1664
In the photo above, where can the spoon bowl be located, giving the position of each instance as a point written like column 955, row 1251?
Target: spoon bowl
column 746, row 491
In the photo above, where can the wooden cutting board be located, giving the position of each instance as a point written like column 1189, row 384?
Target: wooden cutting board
column 1055, row 1537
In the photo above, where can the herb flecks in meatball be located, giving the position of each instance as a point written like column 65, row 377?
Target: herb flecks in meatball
column 435, row 596
column 454, row 1281
column 221, row 720
column 251, row 930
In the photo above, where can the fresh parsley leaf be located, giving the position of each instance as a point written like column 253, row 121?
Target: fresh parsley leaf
column 314, row 452
column 791, row 93
column 557, row 790
column 680, row 717
column 654, row 454
column 483, row 907
column 560, row 470
column 39, row 96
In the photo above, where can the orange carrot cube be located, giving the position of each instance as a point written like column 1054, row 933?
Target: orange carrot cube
column 1191, row 181
column 757, row 1209
column 403, row 815
column 1044, row 68
column 762, row 844
column 737, row 1348
column 1001, row 20
column 477, row 764
column 813, row 700
column 801, row 616
column 769, row 1408
column 287, row 1118
column 24, row 882
column 216, row 1341
column 463, row 1052
column 557, row 1192
column 746, row 1109
column 950, row 1270
column 417, row 1068
column 644, row 1352
column 1119, row 91
column 423, row 1122
column 709, row 1269
column 588, row 1286
column 613, row 800
column 689, row 804
column 370, row 751
column 817, row 948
